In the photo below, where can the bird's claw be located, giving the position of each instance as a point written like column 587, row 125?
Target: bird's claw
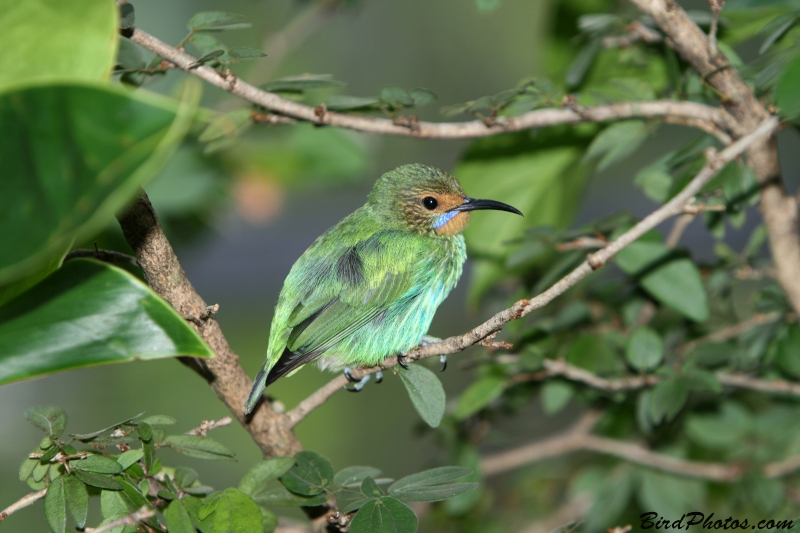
column 378, row 376
column 349, row 376
column 443, row 360
column 401, row 360
column 359, row 384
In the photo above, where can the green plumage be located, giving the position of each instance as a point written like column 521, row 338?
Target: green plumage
column 368, row 287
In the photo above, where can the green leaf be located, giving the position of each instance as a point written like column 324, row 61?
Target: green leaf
column 127, row 16
column 282, row 496
column 787, row 354
column 77, row 499
column 107, row 141
column 673, row 281
column 555, row 396
column 80, row 41
column 787, row 91
column 49, row 418
column 262, row 473
column 422, row 96
column 468, row 457
column 346, row 103
column 193, row 506
column 432, row 485
column 725, row 430
column 269, row 519
column 582, row 63
column 199, row 447
column 112, row 505
column 129, row 458
column 670, row 495
column 298, row 84
column 158, row 420
column 54, row 326
column 101, row 481
column 310, row 476
column 356, row 505
column 616, row 142
column 99, row 464
column 185, row 476
column 227, row 124
column 352, row 476
column 645, row 349
column 370, row 489
column 396, row 97
column 236, row 513
column 94, row 434
column 594, row 353
column 777, row 28
column 655, row 182
column 212, row 20
column 55, row 506
column 666, row 400
column 384, row 515
column 426, row 393
column 144, row 431
column 243, row 52
column 178, row 519
column 610, row 502
column 479, row 395
column 208, row 45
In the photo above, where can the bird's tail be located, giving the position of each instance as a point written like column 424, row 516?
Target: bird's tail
column 259, row 385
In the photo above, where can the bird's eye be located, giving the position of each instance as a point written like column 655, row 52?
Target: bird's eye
column 430, row 203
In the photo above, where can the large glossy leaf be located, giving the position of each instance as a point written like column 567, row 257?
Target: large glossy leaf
column 72, row 156
column 57, row 41
column 89, row 313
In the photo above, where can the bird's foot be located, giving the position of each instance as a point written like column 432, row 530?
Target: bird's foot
column 349, row 376
column 443, row 360
column 427, row 340
column 359, row 384
column 378, row 376
column 401, row 360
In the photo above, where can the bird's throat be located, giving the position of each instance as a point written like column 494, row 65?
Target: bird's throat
column 455, row 225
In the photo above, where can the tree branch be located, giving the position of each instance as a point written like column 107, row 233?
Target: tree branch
column 23, row 502
column 717, row 118
column 779, row 209
column 594, row 261
column 227, row 378
column 579, row 438
column 131, row 520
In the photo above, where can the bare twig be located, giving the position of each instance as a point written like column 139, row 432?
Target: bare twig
column 579, row 438
column 23, row 502
column 681, row 225
column 109, row 256
column 733, row 331
column 207, row 425
column 581, row 243
column 133, row 519
column 593, row 262
column 716, row 9
column 636, row 31
column 447, row 130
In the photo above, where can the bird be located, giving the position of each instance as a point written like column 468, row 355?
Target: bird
column 368, row 288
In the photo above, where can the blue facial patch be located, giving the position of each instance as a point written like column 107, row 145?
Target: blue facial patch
column 444, row 218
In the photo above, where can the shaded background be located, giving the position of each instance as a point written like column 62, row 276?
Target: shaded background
column 238, row 252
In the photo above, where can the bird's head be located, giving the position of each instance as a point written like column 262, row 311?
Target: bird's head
column 426, row 200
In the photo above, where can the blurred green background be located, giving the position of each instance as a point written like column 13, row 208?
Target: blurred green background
column 305, row 179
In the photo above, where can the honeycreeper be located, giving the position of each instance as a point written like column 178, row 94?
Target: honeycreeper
column 368, row 288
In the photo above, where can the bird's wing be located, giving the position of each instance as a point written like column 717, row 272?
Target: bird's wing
column 330, row 294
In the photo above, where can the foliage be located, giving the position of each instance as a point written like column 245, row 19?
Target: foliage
column 121, row 468
column 651, row 342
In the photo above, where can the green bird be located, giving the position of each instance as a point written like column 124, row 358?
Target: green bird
column 368, row 288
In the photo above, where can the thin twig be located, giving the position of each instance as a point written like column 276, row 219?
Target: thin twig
column 446, row 130
column 716, row 9
column 733, row 331
column 109, row 256
column 678, row 229
column 636, row 31
column 140, row 515
column 23, row 502
column 593, row 262
column 207, row 425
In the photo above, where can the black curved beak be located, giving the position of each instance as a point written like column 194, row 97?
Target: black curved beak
column 472, row 204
